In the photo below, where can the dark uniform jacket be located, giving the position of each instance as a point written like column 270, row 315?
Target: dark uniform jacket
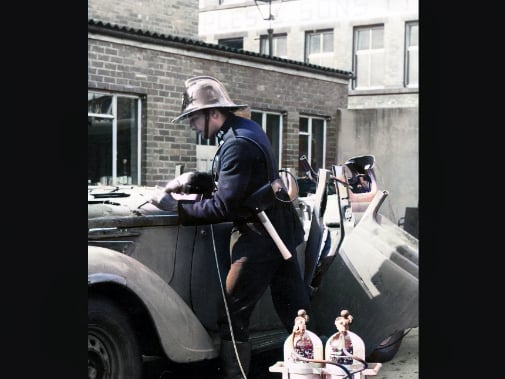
column 241, row 168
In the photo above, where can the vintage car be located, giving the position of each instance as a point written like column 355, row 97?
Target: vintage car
column 154, row 286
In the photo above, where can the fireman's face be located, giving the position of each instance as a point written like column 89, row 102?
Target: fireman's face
column 197, row 122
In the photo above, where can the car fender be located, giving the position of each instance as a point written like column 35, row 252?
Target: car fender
column 182, row 336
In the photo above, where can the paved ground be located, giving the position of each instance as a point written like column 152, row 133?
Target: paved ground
column 403, row 366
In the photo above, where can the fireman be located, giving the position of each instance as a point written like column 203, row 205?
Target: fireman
column 244, row 163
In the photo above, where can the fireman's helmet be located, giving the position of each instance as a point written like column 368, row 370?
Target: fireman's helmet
column 205, row 92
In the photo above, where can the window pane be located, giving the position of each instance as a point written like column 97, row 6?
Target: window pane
column 99, row 150
column 317, row 142
column 273, row 132
column 303, row 149
column 127, row 133
column 328, row 42
column 304, row 125
column 377, row 69
column 378, row 38
column 99, row 103
column 263, row 45
column 363, row 37
column 256, row 116
column 314, row 43
column 413, row 78
column 281, row 47
column 414, row 35
column 235, row 43
column 363, row 72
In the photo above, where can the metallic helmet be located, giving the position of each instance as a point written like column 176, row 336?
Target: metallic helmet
column 205, row 92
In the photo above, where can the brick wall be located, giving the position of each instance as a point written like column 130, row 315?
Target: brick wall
column 173, row 17
column 158, row 74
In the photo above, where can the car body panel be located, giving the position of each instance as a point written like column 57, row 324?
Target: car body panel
column 182, row 335
column 375, row 276
column 366, row 264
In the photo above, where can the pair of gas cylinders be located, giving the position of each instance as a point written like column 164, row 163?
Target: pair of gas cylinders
column 343, row 355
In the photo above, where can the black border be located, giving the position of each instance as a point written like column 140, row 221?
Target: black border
column 44, row 273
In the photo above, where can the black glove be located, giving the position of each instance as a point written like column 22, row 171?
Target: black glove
column 191, row 182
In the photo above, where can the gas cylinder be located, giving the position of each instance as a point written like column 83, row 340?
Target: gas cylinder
column 345, row 348
column 302, row 344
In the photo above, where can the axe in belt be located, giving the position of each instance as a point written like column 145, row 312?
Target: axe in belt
column 261, row 200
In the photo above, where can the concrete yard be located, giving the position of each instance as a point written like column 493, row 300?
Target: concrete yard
column 405, row 364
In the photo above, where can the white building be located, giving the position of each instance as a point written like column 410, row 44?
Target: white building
column 377, row 40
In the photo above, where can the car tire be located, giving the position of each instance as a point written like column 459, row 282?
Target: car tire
column 387, row 349
column 113, row 351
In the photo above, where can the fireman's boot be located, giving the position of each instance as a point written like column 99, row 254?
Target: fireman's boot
column 229, row 367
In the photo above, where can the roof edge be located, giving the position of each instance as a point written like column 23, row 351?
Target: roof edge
column 139, row 35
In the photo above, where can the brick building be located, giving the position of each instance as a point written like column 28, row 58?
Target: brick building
column 135, row 84
column 140, row 53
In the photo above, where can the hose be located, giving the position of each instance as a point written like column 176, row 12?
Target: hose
column 296, row 356
column 226, row 304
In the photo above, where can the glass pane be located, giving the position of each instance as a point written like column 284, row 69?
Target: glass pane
column 363, row 37
column 328, row 42
column 303, row 149
column 273, row 133
column 99, row 103
column 378, row 38
column 304, row 125
column 127, row 140
column 281, row 47
column 99, row 151
column 264, row 45
column 377, row 67
column 235, row 43
column 414, row 35
column 362, row 71
column 256, row 116
column 314, row 43
column 317, row 143
column 413, row 70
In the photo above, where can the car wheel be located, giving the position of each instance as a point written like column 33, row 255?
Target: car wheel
column 113, row 352
column 387, row 349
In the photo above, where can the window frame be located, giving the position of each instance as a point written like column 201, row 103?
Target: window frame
column 275, row 38
column 321, row 53
column 408, row 49
column 369, row 53
column 310, row 133
column 263, row 124
column 220, row 42
column 113, row 116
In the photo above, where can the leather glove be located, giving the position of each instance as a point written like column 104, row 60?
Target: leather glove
column 191, row 182
column 164, row 201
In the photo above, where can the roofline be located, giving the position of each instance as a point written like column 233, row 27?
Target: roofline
column 139, row 35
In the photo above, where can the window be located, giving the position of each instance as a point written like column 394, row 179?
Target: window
column 113, row 139
column 412, row 54
column 369, row 57
column 312, row 142
column 318, row 44
column 272, row 125
column 206, row 149
column 279, row 45
column 234, row 43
